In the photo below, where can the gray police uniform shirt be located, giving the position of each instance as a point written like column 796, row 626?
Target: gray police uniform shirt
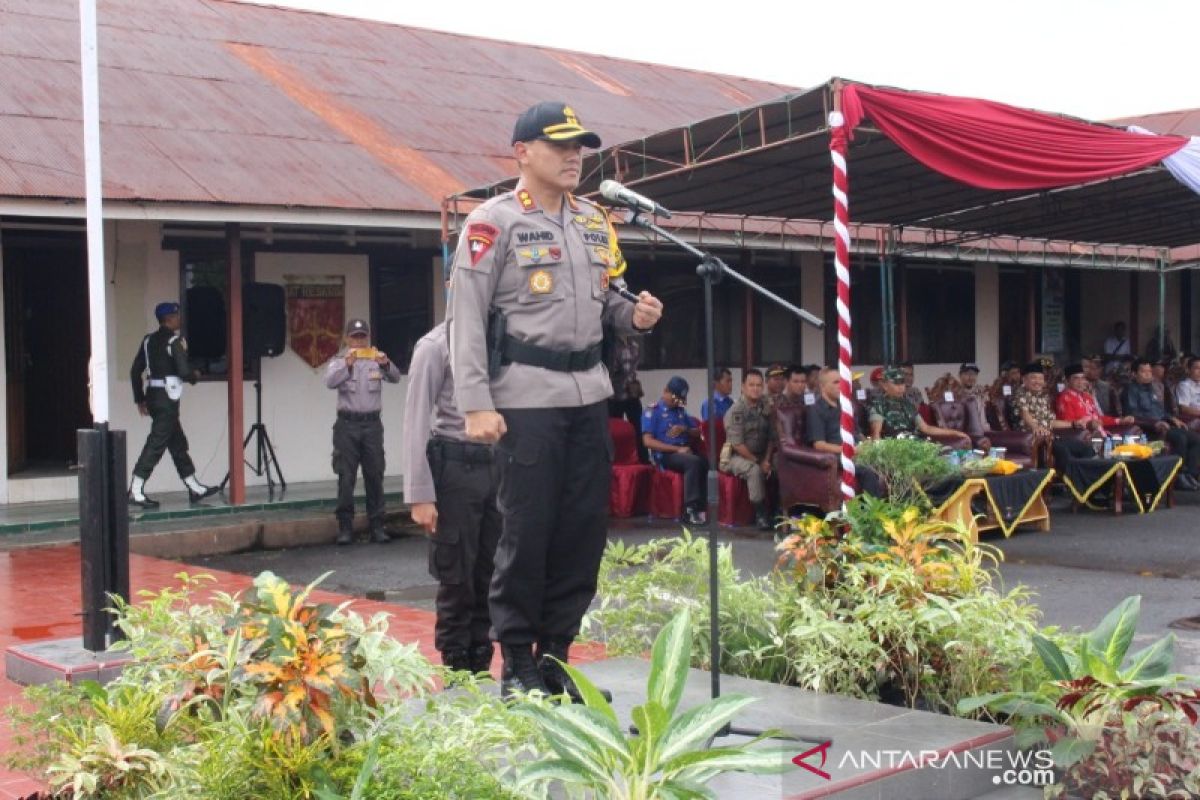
column 549, row 275
column 428, row 410
column 359, row 388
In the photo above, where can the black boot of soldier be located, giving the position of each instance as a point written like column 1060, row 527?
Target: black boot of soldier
column 479, row 657
column 554, row 676
column 457, row 659
column 345, row 536
column 520, row 672
column 762, row 518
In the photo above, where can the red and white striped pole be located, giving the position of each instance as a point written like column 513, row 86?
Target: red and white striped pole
column 841, row 265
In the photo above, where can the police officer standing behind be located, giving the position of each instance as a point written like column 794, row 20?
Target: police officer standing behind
column 450, row 485
column 540, row 257
column 358, row 432
column 163, row 354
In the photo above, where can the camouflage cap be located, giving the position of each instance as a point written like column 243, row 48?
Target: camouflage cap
column 893, row 374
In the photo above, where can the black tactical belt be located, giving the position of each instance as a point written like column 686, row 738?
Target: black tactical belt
column 470, row 452
column 516, row 351
column 359, row 416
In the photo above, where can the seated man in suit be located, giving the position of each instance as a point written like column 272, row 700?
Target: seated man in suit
column 1148, row 410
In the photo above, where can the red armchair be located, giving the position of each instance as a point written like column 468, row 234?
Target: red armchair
column 806, row 476
column 629, row 492
column 733, row 498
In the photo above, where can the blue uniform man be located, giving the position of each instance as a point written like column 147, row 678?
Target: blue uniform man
column 668, row 433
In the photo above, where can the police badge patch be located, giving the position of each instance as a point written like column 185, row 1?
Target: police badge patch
column 480, row 238
column 541, row 282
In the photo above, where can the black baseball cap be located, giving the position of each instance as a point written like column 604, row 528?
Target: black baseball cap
column 552, row 121
column 357, row 327
column 968, row 367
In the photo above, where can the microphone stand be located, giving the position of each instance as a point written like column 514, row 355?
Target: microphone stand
column 712, row 270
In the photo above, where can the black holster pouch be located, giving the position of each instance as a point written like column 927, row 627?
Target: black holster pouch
column 497, row 329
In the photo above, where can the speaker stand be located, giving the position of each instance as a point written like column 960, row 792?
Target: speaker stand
column 265, row 459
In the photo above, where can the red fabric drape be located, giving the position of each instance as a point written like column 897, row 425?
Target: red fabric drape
column 995, row 146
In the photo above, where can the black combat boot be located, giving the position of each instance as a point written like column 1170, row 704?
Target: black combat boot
column 457, row 659
column 520, row 672
column 345, row 536
column 762, row 518
column 379, row 535
column 479, row 657
column 554, row 676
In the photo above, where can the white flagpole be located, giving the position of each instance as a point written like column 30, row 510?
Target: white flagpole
column 89, row 68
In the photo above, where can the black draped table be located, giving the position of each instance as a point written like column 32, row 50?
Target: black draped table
column 993, row 502
column 1145, row 480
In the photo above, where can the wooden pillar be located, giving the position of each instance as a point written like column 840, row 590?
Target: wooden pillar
column 237, row 464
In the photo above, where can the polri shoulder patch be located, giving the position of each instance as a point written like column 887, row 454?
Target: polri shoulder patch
column 480, row 238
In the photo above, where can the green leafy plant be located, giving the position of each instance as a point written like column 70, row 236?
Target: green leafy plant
column 904, row 465
column 199, row 713
column 669, row 757
column 1090, row 687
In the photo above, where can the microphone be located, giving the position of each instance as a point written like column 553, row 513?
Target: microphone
column 616, row 193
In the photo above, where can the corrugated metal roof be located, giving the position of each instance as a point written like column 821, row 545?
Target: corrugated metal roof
column 1185, row 122
column 220, row 101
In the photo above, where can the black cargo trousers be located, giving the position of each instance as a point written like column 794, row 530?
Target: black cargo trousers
column 462, row 550
column 166, row 434
column 555, row 470
column 358, row 441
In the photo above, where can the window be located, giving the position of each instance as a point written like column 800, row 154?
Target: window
column 866, row 311
column 940, row 314
column 777, row 330
column 679, row 342
column 401, row 308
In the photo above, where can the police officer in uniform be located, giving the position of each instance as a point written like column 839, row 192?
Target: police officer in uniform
column 668, row 433
column 540, row 258
column 163, row 354
column 358, row 432
column 450, row 484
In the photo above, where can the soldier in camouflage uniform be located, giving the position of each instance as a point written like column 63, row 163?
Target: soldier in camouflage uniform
column 891, row 413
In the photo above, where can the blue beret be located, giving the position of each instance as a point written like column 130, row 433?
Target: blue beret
column 163, row 309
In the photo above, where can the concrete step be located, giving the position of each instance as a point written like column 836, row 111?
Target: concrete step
column 874, row 751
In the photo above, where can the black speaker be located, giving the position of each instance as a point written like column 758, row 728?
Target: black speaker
column 205, row 322
column 264, row 320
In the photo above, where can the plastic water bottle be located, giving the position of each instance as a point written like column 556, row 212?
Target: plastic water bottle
column 1108, row 447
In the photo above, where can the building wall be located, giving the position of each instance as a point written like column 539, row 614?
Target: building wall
column 1105, row 298
column 3, row 382
column 298, row 411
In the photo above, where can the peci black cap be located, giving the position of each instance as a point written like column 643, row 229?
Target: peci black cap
column 1034, row 368
column 552, row 121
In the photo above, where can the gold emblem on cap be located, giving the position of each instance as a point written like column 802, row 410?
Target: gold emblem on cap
column 541, row 282
column 569, row 115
